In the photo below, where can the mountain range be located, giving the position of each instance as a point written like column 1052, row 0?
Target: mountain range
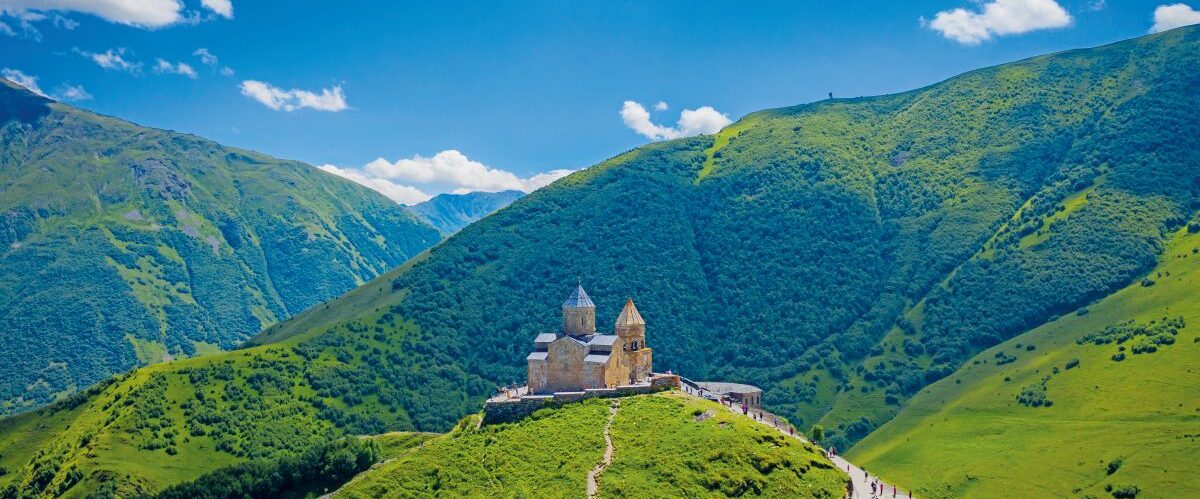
column 903, row 270
column 122, row 245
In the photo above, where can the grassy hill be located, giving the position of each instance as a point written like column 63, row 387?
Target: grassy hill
column 842, row 255
column 1053, row 413
column 122, row 245
column 451, row 212
column 664, row 446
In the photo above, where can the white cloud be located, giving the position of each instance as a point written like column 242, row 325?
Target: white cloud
column 139, row 13
column 65, row 92
column 404, row 194
column 210, row 59
column 223, row 8
column 998, row 18
column 704, row 120
column 113, row 59
column 446, row 171
column 72, row 93
column 1097, row 5
column 165, row 67
column 6, row 29
column 330, row 99
column 661, row 106
column 1173, row 16
column 20, row 78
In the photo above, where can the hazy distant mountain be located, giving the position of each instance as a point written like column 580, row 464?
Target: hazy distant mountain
column 451, row 212
column 123, row 245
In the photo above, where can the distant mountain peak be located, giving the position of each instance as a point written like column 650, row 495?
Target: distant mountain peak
column 449, row 213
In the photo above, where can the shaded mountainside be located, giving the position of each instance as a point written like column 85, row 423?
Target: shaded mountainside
column 666, row 445
column 449, row 213
column 122, row 245
column 842, row 255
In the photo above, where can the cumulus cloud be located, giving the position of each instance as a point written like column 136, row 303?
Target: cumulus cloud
column 998, row 18
column 163, row 66
column 223, row 8
column 20, row 78
column 113, row 59
column 404, row 194
column 1173, row 16
column 704, row 120
column 138, row 13
column 446, row 171
column 330, row 99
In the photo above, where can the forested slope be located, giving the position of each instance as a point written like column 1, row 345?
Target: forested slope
column 122, row 245
column 841, row 254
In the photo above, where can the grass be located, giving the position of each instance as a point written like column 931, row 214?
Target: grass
column 661, row 450
column 967, row 436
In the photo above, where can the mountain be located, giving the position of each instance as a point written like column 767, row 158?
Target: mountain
column 666, row 445
column 122, row 245
column 449, row 213
column 843, row 255
column 1100, row 400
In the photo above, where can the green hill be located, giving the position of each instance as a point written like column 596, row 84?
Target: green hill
column 1053, row 412
column 842, row 255
column 122, row 245
column 451, row 212
column 666, row 445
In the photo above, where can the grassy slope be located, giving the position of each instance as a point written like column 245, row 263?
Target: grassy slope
column 661, row 451
column 741, row 273
column 968, row 436
column 123, row 245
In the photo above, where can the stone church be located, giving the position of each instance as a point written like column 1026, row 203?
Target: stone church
column 576, row 358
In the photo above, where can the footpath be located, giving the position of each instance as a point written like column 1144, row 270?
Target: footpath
column 860, row 480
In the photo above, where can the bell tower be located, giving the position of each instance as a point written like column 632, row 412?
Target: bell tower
column 631, row 327
column 579, row 314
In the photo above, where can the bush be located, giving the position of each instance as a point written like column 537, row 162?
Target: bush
column 1072, row 364
column 1114, row 465
column 1127, row 491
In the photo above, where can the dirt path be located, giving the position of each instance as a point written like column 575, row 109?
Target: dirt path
column 592, row 486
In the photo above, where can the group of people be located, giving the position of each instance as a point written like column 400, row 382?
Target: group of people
column 878, row 488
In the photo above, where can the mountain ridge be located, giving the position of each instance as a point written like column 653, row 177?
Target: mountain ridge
column 842, row 256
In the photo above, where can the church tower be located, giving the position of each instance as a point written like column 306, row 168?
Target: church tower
column 579, row 314
column 631, row 327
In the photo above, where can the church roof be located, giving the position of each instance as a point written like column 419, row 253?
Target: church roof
column 630, row 316
column 545, row 338
column 579, row 299
column 537, row 356
column 596, row 359
column 603, row 339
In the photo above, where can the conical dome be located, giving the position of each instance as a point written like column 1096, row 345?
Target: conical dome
column 630, row 316
column 579, row 299
column 579, row 314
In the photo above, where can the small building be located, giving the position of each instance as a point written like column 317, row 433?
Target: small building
column 577, row 358
column 747, row 395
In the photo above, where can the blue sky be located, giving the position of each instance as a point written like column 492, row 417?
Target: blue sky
column 420, row 98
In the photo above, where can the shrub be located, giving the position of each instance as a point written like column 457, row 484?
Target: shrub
column 1072, row 364
column 1114, row 465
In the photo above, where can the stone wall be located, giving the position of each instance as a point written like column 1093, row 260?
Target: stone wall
column 507, row 411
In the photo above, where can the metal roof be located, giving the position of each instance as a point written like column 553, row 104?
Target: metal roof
column 603, row 340
column 537, row 356
column 579, row 299
column 723, row 388
column 545, row 338
column 596, row 359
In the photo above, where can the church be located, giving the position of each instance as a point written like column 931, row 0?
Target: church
column 576, row 358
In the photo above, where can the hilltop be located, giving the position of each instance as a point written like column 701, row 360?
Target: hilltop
column 842, row 255
column 449, row 213
column 666, row 445
column 122, row 245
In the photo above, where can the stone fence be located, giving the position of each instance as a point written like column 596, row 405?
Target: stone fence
column 507, row 411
